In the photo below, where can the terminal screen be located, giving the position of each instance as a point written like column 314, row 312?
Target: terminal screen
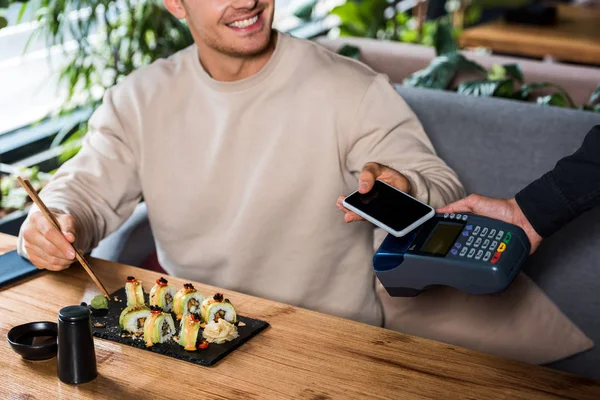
column 442, row 237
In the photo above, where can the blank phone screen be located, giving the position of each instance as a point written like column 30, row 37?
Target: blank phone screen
column 389, row 206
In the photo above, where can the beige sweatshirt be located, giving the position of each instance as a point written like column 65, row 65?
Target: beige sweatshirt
column 241, row 178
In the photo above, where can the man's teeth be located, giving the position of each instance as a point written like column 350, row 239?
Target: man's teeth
column 244, row 23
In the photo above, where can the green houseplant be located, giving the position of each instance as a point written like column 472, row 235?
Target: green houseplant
column 112, row 39
column 4, row 4
column 12, row 196
column 379, row 19
column 504, row 81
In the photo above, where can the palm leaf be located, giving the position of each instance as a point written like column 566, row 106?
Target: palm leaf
column 487, row 88
column 514, row 71
column 441, row 71
column 443, row 40
column 349, row 51
column 595, row 95
column 554, row 99
column 528, row 88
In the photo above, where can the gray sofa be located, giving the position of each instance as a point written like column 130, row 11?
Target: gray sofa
column 497, row 147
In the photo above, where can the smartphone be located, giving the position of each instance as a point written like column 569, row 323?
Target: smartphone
column 389, row 208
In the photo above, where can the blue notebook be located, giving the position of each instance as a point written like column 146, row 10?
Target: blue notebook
column 13, row 268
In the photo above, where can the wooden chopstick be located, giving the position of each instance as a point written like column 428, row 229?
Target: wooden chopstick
column 50, row 217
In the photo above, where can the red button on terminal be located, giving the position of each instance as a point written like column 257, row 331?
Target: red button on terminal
column 496, row 257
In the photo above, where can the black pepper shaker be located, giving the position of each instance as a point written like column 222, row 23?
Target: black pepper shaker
column 76, row 355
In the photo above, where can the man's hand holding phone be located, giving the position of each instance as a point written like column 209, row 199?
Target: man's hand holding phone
column 370, row 172
column 382, row 199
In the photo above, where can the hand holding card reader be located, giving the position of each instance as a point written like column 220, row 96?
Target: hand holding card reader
column 475, row 254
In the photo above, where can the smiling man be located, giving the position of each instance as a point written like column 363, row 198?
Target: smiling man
column 240, row 145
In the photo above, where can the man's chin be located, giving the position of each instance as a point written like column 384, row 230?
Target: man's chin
column 250, row 46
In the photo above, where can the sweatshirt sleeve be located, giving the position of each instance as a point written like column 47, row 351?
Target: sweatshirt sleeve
column 100, row 185
column 567, row 191
column 388, row 132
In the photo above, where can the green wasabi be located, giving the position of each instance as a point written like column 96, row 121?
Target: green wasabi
column 99, row 303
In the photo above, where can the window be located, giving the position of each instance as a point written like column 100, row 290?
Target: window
column 28, row 81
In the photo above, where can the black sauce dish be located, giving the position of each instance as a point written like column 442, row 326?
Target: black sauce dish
column 35, row 340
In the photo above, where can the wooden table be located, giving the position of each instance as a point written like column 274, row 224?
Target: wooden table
column 575, row 38
column 302, row 355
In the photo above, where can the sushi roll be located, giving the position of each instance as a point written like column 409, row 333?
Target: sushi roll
column 159, row 327
column 214, row 308
column 133, row 318
column 134, row 291
column 187, row 301
column 188, row 333
column 162, row 295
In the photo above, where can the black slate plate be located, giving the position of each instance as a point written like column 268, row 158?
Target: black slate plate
column 207, row 357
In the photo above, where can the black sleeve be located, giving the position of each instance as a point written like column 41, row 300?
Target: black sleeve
column 569, row 190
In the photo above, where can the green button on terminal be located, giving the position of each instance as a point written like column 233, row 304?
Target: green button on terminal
column 507, row 237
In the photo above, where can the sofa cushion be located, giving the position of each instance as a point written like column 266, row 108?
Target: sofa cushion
column 520, row 323
column 497, row 147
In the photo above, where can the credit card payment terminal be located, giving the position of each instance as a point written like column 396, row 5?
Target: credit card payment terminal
column 475, row 254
